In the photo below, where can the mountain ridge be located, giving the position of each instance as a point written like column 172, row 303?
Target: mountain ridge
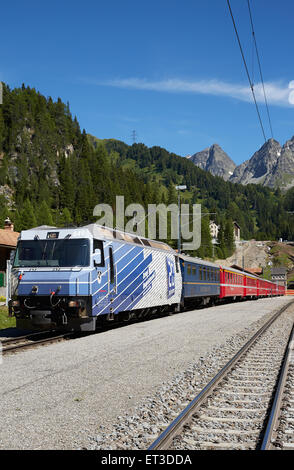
column 272, row 165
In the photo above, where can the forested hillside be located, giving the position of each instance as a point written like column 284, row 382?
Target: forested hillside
column 53, row 173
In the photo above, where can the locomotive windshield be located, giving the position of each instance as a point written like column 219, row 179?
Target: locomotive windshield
column 65, row 253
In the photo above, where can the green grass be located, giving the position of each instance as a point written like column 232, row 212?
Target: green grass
column 5, row 320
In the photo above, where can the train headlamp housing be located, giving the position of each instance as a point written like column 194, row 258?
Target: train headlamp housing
column 75, row 303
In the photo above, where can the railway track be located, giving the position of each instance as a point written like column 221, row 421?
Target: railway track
column 279, row 434
column 31, row 340
column 230, row 412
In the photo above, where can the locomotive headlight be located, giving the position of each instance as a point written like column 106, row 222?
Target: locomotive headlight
column 74, row 303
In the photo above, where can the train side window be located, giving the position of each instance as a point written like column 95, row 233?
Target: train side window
column 189, row 269
column 98, row 244
column 177, row 263
column 193, row 271
column 111, row 265
column 200, row 274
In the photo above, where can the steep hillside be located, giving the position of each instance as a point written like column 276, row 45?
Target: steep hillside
column 49, row 172
column 52, row 173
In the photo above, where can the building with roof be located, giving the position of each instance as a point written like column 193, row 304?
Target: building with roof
column 8, row 241
column 236, row 229
column 279, row 275
column 214, row 229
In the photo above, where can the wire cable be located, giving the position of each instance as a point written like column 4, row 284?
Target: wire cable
column 246, row 68
column 259, row 65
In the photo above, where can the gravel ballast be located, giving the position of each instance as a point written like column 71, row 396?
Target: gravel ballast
column 102, row 391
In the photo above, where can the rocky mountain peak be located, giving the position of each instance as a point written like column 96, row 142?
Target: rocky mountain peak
column 214, row 160
column 272, row 165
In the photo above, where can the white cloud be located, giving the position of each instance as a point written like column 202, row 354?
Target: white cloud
column 277, row 93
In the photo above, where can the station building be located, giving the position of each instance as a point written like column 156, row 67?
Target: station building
column 8, row 241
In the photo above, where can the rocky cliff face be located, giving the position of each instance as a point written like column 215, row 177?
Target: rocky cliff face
column 272, row 165
column 214, row 160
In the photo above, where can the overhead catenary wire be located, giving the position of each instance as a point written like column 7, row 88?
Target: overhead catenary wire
column 259, row 65
column 246, row 68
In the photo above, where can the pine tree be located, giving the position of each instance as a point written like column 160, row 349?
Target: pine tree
column 222, row 248
column 229, row 237
column 44, row 215
column 27, row 217
column 65, row 218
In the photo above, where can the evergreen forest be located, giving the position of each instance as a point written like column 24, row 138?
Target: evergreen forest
column 53, row 173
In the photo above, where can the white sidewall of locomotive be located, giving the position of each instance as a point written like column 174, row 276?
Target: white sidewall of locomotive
column 163, row 284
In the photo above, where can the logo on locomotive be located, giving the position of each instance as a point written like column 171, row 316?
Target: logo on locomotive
column 171, row 275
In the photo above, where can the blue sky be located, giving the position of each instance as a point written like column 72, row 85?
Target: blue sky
column 171, row 70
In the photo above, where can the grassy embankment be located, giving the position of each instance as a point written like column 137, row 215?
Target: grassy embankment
column 5, row 320
column 282, row 254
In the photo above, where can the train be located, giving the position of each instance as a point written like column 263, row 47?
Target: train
column 79, row 279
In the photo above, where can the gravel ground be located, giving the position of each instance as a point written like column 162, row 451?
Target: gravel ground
column 90, row 392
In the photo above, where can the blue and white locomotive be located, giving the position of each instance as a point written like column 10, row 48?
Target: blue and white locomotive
column 76, row 278
column 79, row 278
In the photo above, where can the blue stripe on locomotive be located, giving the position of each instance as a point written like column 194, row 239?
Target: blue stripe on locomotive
column 130, row 268
column 195, row 285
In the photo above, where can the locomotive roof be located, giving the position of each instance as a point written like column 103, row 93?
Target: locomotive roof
column 101, row 232
column 98, row 232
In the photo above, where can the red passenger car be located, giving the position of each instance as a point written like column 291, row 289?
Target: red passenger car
column 237, row 284
column 231, row 283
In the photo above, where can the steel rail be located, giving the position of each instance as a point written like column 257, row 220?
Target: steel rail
column 34, row 343
column 164, row 439
column 272, row 424
column 27, row 336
